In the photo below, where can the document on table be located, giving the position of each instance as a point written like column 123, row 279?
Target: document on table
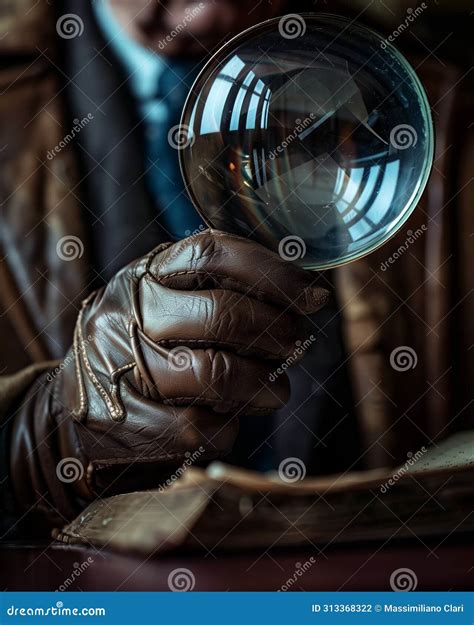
column 225, row 507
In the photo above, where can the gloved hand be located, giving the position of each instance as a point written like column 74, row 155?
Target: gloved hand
column 164, row 360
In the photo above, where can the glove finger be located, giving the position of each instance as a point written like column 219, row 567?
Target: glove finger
column 217, row 318
column 154, row 432
column 221, row 380
column 214, row 259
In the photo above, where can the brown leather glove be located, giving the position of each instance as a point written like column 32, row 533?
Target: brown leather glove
column 164, row 360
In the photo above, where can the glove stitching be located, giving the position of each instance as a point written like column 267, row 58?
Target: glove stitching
column 78, row 346
column 115, row 390
column 81, row 413
column 116, row 409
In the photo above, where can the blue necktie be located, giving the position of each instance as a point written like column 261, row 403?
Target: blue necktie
column 161, row 114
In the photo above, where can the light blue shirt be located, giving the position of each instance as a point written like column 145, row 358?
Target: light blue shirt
column 160, row 89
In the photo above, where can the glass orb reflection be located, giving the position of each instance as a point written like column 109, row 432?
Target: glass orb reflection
column 309, row 134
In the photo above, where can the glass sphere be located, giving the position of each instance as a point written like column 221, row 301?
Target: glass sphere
column 310, row 134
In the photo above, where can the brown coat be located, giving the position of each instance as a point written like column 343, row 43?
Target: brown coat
column 422, row 301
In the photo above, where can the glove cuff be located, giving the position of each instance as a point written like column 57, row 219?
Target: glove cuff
column 50, row 476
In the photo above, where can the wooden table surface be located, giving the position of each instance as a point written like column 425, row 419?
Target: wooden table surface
column 437, row 564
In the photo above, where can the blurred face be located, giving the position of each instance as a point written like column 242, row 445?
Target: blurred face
column 189, row 28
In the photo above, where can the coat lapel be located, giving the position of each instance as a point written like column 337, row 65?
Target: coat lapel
column 118, row 208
